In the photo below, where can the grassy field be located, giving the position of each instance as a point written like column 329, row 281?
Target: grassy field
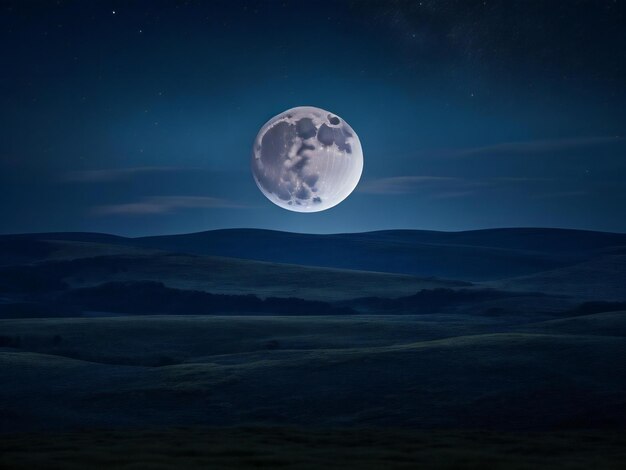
column 292, row 448
column 439, row 371
column 234, row 276
column 599, row 278
column 86, row 264
column 388, row 371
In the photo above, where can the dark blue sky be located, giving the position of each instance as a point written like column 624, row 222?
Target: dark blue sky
column 138, row 117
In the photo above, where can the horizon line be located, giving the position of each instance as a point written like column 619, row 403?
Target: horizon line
column 75, row 232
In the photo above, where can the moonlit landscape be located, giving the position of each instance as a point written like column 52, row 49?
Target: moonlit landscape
column 242, row 234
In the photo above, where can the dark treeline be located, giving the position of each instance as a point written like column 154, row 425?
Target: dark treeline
column 148, row 297
column 432, row 300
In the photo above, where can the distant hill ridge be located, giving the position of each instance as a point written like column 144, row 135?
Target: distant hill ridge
column 469, row 255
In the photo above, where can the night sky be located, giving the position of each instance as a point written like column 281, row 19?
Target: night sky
column 137, row 118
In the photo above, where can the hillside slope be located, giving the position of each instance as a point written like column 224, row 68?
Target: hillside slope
column 157, row 371
column 471, row 256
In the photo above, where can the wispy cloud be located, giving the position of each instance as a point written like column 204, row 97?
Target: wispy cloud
column 451, row 194
column 560, row 194
column 165, row 204
column 406, row 184
column 432, row 187
column 446, row 187
column 535, row 146
column 118, row 174
column 520, row 179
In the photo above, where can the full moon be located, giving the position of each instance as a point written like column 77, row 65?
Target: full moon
column 307, row 159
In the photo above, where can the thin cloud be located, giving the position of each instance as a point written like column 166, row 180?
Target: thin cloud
column 520, row 179
column 442, row 187
column 452, row 194
column 164, row 205
column 119, row 174
column 405, row 184
column 561, row 194
column 535, row 146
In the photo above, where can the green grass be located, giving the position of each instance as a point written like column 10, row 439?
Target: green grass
column 293, row 448
column 600, row 278
column 603, row 324
column 326, row 371
column 234, row 276
column 190, row 338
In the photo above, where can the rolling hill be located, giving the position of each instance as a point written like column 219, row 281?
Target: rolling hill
column 86, row 264
column 323, row 371
column 470, row 330
column 470, row 256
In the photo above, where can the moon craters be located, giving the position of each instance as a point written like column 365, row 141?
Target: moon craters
column 307, row 159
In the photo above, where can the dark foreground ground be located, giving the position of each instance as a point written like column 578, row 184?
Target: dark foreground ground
column 488, row 349
column 275, row 447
